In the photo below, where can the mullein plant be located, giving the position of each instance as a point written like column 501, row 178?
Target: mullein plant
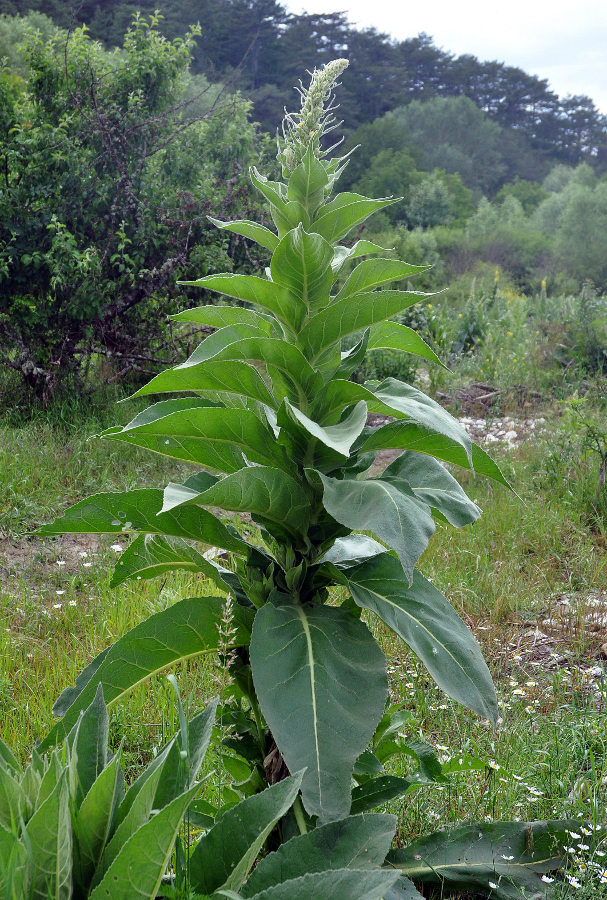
column 275, row 428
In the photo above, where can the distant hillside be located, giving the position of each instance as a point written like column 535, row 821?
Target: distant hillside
column 263, row 48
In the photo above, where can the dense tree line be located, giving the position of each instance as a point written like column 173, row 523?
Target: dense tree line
column 264, row 49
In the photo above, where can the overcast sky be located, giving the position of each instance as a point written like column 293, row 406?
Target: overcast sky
column 564, row 41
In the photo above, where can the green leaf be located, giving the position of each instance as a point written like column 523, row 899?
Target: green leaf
column 268, row 494
column 421, row 409
column 217, row 341
column 351, row 550
column 138, row 868
column 49, row 834
column 376, row 791
column 213, row 437
column 137, row 815
column 15, row 866
column 224, row 855
column 360, row 248
column 426, row 621
column 321, row 683
column 222, row 316
column 344, row 317
column 88, row 741
column 230, row 377
column 302, row 265
column 303, row 433
column 12, row 799
column 398, row 519
column 341, row 214
column 151, row 555
column 286, row 213
column 8, row 760
column 372, row 273
column 252, row 289
column 512, row 855
column 338, row 884
column 392, row 336
column 95, row 818
column 139, row 511
column 252, row 230
column 434, row 485
column 358, row 842
column 403, row 890
column 308, row 181
column 186, row 629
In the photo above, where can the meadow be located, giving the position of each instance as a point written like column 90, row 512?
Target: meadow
column 529, row 577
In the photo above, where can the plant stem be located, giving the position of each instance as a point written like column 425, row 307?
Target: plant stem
column 299, row 816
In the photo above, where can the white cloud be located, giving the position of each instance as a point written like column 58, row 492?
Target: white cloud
column 558, row 40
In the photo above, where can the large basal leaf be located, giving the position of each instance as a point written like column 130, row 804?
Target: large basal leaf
column 213, row 437
column 430, row 481
column 230, row 377
column 251, row 230
column 217, row 316
column 252, row 289
column 510, row 855
column 49, row 834
column 266, row 493
column 397, row 518
column 341, row 214
column 372, row 273
column 138, row 868
column 426, row 621
column 338, row 884
column 321, row 682
column 186, row 629
column 358, row 842
column 392, row 336
column 138, row 511
column 302, row 265
column 344, row 317
column 224, row 856
column 151, row 555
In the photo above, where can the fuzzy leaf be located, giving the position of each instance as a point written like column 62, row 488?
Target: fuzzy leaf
column 358, row 842
column 186, row 629
column 251, row 230
column 397, row 518
column 217, row 316
column 151, row 555
column 434, row 485
column 137, row 870
column 252, row 289
column 340, row 215
column 338, row 884
column 302, row 265
column 392, row 336
column 469, row 857
column 139, row 511
column 426, row 621
column 230, row 377
column 321, row 683
column 49, row 833
column 224, row 855
column 372, row 273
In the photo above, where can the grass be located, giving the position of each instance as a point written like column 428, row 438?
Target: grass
column 529, row 577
